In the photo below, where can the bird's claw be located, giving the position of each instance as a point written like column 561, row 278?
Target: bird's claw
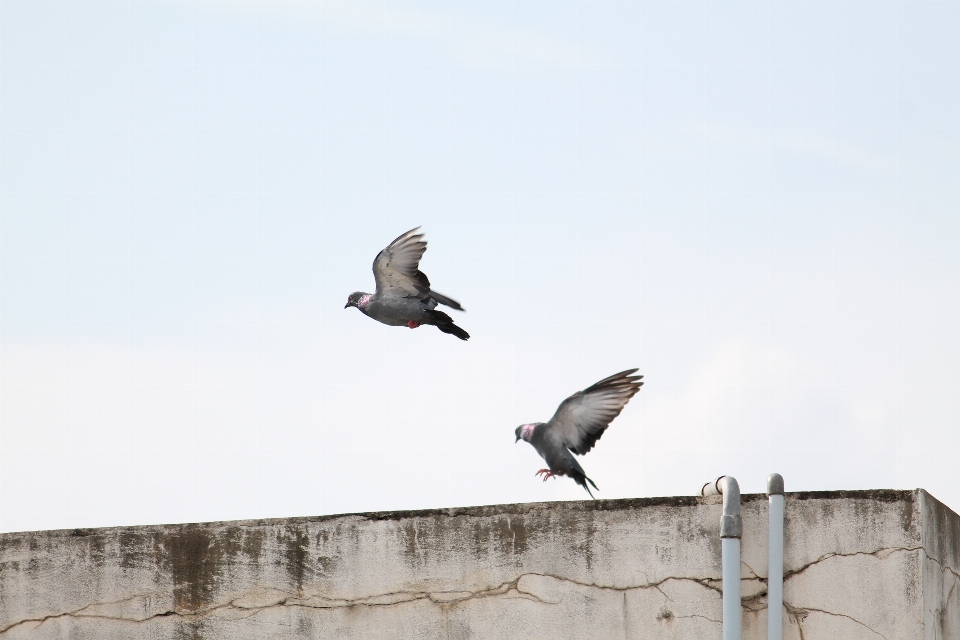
column 546, row 474
column 412, row 324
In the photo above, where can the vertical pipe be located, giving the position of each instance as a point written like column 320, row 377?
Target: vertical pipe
column 731, row 529
column 775, row 559
column 731, row 588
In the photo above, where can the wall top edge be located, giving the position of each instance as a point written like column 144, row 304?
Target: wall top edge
column 624, row 504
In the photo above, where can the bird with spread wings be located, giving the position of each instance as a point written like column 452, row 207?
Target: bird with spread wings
column 403, row 296
column 579, row 422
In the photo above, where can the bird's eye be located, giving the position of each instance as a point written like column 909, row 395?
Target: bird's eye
column 351, row 299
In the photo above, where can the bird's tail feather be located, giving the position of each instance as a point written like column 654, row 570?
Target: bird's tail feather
column 582, row 480
column 455, row 330
column 445, row 323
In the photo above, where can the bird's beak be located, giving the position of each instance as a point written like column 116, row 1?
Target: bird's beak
column 346, row 306
column 517, row 440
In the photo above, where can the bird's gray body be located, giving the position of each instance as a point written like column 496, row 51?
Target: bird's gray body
column 399, row 311
column 579, row 422
column 404, row 296
column 554, row 452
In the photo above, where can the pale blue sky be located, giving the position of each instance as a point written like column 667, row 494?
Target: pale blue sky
column 754, row 202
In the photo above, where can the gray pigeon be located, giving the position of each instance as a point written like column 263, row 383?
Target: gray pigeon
column 579, row 422
column 403, row 296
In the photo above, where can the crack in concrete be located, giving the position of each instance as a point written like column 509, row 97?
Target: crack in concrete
column 649, row 585
column 950, row 593
column 876, row 553
column 720, row 622
column 944, row 568
column 315, row 602
column 754, row 603
column 78, row 613
column 796, row 616
column 662, row 592
column 452, row 598
column 755, row 574
column 799, row 613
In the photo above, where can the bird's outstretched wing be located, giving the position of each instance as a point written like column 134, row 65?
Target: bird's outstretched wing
column 397, row 268
column 582, row 418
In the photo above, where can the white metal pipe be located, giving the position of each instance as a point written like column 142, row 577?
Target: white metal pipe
column 731, row 529
column 730, row 548
column 775, row 559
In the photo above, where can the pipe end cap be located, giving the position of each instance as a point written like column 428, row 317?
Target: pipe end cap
column 775, row 484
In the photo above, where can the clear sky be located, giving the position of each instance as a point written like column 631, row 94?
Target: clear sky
column 757, row 203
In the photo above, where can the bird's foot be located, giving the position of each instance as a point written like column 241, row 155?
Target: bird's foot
column 546, row 474
column 412, row 324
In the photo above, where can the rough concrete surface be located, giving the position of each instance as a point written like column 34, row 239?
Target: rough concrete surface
column 860, row 564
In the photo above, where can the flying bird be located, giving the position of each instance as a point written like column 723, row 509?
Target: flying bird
column 579, row 422
column 403, row 296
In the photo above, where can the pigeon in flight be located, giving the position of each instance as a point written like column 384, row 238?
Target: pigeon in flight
column 579, row 422
column 403, row 296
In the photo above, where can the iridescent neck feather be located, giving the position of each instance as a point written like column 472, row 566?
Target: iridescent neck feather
column 526, row 431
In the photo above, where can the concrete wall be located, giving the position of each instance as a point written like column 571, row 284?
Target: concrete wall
column 871, row 564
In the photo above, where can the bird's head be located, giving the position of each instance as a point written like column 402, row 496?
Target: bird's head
column 525, row 432
column 357, row 299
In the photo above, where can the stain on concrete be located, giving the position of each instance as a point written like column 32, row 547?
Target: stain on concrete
column 325, row 553
column 194, row 559
column 98, row 550
column 192, row 564
column 506, row 534
column 135, row 549
column 295, row 541
column 410, row 533
column 584, row 534
column 251, row 546
column 197, row 558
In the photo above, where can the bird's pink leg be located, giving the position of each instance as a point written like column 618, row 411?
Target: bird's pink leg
column 546, row 474
column 412, row 324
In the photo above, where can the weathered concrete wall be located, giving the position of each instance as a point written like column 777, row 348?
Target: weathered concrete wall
column 941, row 569
column 872, row 564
